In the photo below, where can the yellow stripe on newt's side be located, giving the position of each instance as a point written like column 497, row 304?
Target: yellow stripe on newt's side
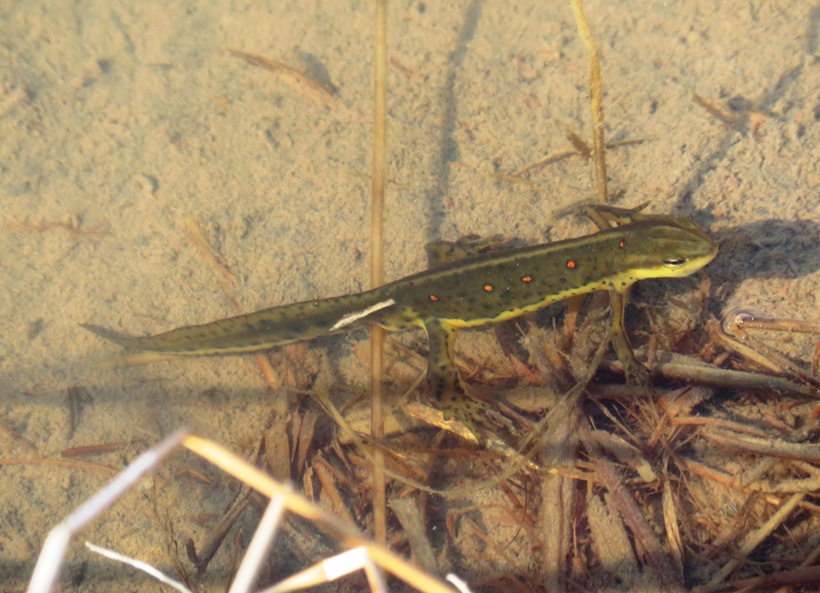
column 469, row 291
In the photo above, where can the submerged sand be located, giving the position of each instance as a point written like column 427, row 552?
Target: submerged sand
column 120, row 122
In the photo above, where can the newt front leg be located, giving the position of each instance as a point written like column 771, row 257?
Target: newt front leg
column 634, row 371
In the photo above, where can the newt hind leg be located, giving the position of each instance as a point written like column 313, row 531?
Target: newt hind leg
column 443, row 252
column 447, row 392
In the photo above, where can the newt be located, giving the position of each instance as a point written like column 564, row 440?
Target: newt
column 469, row 288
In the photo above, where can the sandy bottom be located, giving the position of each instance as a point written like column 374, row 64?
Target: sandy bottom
column 122, row 122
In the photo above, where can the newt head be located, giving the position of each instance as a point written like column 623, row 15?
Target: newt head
column 669, row 247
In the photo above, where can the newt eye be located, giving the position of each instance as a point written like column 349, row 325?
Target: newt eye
column 674, row 262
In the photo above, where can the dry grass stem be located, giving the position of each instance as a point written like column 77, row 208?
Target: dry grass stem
column 242, row 470
column 379, row 183
column 299, row 81
column 411, row 519
column 596, row 101
column 51, row 557
column 139, row 565
column 258, row 549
